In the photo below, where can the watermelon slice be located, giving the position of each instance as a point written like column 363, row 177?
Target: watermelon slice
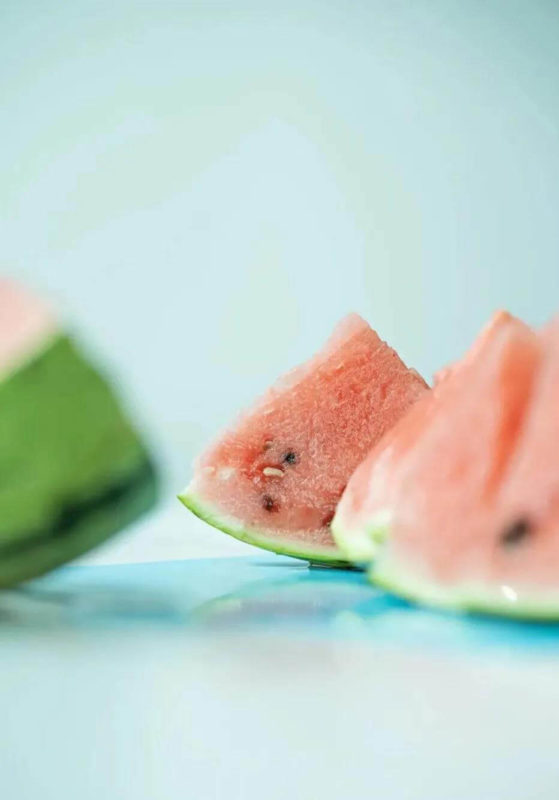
column 365, row 509
column 72, row 468
column 274, row 479
column 459, row 506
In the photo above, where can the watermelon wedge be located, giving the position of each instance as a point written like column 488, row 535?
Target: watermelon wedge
column 274, row 479
column 73, row 470
column 459, row 506
column 365, row 509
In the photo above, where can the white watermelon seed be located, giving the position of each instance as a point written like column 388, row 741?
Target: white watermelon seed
column 272, row 472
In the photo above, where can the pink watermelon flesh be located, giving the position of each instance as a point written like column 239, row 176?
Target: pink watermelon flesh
column 448, row 451
column 524, row 541
column 499, row 320
column 365, row 506
column 447, row 491
column 26, row 324
column 468, row 483
column 275, row 477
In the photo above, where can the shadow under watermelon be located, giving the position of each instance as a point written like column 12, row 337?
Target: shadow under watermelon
column 263, row 596
column 343, row 605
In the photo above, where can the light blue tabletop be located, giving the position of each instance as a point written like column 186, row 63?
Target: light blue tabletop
column 261, row 678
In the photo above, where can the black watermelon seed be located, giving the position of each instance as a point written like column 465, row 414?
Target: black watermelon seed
column 516, row 533
column 290, row 457
column 269, row 503
column 328, row 519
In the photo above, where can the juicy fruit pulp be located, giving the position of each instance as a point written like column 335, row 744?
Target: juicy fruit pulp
column 397, row 466
column 467, row 487
column 275, row 478
column 72, row 468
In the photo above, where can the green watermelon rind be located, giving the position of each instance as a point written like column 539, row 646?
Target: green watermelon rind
column 283, row 547
column 530, row 604
column 360, row 546
column 33, row 558
column 74, row 468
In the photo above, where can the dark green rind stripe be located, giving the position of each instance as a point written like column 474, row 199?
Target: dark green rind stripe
column 63, row 434
column 94, row 519
column 73, row 469
column 283, row 547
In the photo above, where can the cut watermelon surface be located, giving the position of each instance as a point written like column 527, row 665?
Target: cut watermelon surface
column 363, row 513
column 459, row 505
column 73, row 470
column 376, row 489
column 274, row 479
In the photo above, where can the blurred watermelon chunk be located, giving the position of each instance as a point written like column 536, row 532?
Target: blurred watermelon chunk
column 73, row 469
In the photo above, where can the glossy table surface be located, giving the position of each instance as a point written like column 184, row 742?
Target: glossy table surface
column 257, row 677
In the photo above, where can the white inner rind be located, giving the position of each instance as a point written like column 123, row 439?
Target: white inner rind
column 360, row 545
column 294, row 545
column 523, row 602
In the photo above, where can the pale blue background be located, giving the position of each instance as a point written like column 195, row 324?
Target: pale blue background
column 206, row 187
